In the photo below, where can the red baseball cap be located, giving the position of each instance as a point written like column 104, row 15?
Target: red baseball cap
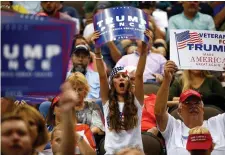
column 199, row 142
column 188, row 93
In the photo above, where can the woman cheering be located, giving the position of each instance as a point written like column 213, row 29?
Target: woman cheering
column 122, row 108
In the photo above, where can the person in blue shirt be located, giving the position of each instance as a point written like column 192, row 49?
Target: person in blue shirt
column 191, row 18
column 80, row 59
column 68, row 10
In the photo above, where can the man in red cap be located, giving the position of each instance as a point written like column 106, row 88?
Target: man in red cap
column 199, row 141
column 191, row 111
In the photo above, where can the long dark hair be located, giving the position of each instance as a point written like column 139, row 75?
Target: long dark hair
column 130, row 110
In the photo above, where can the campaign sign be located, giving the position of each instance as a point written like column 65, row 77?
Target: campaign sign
column 120, row 23
column 197, row 49
column 34, row 54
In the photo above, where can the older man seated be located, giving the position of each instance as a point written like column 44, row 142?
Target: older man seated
column 191, row 110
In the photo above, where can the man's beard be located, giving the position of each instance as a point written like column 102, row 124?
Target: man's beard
column 79, row 68
column 49, row 12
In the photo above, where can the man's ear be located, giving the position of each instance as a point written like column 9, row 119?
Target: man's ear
column 179, row 110
column 202, row 106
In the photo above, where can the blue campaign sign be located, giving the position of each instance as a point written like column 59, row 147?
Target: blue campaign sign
column 34, row 54
column 120, row 23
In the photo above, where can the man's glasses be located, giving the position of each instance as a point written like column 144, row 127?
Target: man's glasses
column 196, row 103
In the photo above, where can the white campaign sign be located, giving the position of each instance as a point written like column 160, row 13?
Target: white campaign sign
column 198, row 49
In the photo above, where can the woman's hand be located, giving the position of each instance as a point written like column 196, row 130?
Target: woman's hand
column 149, row 34
column 94, row 37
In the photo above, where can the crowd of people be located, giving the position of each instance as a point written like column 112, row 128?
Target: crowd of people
column 104, row 108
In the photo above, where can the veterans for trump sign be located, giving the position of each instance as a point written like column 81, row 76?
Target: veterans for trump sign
column 197, row 49
column 120, row 23
column 34, row 54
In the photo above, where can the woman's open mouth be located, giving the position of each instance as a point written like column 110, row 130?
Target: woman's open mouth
column 122, row 86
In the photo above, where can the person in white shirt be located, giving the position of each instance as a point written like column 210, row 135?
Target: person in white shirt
column 122, row 108
column 191, row 110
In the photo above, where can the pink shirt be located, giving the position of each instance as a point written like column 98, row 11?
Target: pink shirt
column 154, row 64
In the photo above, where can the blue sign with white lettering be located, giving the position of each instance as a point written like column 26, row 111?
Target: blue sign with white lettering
column 34, row 54
column 120, row 23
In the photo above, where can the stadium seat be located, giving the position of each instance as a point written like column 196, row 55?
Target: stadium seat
column 152, row 144
column 44, row 107
column 211, row 110
column 150, row 88
column 101, row 149
column 215, row 99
